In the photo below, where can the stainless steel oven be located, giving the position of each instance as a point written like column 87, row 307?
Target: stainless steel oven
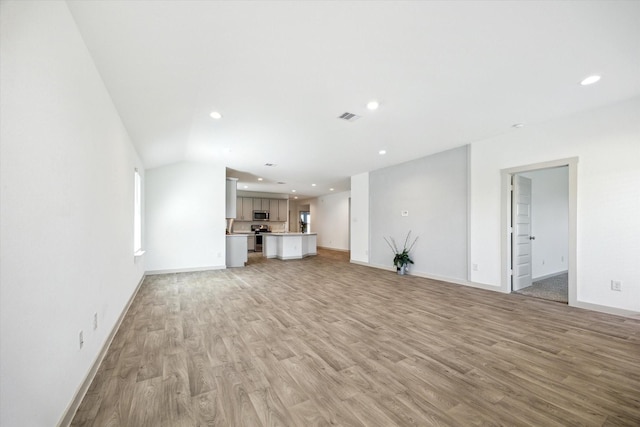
column 258, row 242
column 259, row 230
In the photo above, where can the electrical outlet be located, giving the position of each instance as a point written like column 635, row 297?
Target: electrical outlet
column 404, row 213
column 475, row 267
column 95, row 321
column 81, row 339
column 562, row 258
column 616, row 285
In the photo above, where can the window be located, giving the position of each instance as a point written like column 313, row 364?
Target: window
column 137, row 214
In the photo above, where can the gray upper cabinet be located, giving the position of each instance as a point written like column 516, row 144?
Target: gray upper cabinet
column 247, row 208
column 273, row 210
column 283, row 210
column 260, row 204
column 244, row 209
column 278, row 208
column 239, row 216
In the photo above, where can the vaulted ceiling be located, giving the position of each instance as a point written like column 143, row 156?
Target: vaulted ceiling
column 444, row 73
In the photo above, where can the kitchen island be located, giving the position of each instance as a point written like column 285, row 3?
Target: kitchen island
column 289, row 245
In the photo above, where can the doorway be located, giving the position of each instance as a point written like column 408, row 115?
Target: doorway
column 519, row 234
column 305, row 221
column 539, row 241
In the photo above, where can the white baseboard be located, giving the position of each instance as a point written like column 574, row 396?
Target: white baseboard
column 71, row 410
column 546, row 276
column 333, row 249
column 185, row 270
column 434, row 277
column 604, row 309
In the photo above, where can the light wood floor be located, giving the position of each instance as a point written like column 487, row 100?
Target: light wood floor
column 320, row 342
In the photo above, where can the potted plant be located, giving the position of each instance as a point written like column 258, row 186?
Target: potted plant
column 401, row 258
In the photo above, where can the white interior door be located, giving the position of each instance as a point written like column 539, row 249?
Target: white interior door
column 521, row 236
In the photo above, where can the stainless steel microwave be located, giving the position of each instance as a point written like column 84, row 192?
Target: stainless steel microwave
column 261, row 215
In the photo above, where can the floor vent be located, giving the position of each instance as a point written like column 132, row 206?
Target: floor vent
column 350, row 117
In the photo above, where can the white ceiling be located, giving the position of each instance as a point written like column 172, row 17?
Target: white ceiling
column 445, row 74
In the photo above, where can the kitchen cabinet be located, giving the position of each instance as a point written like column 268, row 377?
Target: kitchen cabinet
column 239, row 216
column 244, row 208
column 283, row 210
column 273, row 209
column 236, row 249
column 278, row 208
column 261, row 204
column 290, row 245
column 251, row 243
column 247, row 208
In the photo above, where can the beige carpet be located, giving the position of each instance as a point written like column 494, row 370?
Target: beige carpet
column 553, row 288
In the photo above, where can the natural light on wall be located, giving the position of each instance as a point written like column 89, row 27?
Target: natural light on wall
column 137, row 214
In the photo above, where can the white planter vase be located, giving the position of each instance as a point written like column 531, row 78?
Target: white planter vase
column 402, row 270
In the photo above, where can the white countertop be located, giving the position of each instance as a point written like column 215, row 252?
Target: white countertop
column 239, row 235
column 279, row 233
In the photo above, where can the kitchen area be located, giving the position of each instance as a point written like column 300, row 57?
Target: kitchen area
column 259, row 224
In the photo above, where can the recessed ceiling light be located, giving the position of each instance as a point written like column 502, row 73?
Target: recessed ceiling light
column 373, row 105
column 215, row 115
column 313, row 185
column 246, row 186
column 259, row 179
column 590, row 80
column 381, row 152
column 518, row 125
column 331, row 189
column 295, row 197
column 293, row 191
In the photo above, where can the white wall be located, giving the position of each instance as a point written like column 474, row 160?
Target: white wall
column 330, row 219
column 66, row 202
column 360, row 218
column 607, row 143
column 549, row 220
column 185, row 217
column 433, row 190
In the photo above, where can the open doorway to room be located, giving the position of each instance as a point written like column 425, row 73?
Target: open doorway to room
column 305, row 221
column 540, row 237
column 539, row 230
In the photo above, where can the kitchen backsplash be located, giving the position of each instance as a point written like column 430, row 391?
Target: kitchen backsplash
column 242, row 227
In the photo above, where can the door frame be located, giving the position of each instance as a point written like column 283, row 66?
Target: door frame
column 505, row 239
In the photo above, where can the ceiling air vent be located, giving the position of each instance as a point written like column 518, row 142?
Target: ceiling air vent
column 350, row 117
column 270, row 164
